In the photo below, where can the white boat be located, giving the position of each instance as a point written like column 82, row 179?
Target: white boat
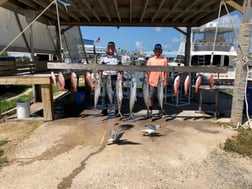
column 211, row 45
column 214, row 45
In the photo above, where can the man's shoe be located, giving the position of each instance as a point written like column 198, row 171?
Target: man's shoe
column 104, row 112
column 149, row 114
column 160, row 114
column 117, row 114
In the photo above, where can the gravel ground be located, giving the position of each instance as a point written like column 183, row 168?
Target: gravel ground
column 72, row 153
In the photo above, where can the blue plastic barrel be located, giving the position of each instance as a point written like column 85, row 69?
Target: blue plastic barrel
column 249, row 99
column 80, row 97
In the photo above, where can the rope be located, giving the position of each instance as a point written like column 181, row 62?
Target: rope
column 215, row 35
column 235, row 33
column 246, row 100
column 59, row 29
column 230, row 20
column 27, row 27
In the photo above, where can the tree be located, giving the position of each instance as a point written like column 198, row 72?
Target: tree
column 240, row 82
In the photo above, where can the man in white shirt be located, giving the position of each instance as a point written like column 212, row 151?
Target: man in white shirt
column 110, row 58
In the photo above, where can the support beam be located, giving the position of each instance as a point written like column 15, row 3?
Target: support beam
column 176, row 4
column 144, row 10
column 20, row 80
column 235, row 5
column 134, row 68
column 117, row 10
column 105, row 10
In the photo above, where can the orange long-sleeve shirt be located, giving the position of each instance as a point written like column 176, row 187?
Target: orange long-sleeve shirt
column 153, row 76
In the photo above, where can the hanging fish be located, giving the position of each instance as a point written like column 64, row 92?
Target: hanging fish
column 97, row 90
column 176, row 85
column 187, row 84
column 119, row 93
column 160, row 92
column 109, row 90
column 211, row 83
column 146, row 95
column 61, row 80
column 53, row 77
column 133, row 97
column 198, row 83
column 74, row 81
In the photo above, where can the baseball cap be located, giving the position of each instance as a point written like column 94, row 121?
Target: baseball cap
column 111, row 43
column 158, row 46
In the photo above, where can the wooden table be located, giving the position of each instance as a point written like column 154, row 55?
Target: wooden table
column 216, row 89
column 44, row 81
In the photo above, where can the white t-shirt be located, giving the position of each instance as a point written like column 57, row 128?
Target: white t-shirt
column 110, row 60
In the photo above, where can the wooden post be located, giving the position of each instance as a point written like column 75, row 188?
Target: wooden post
column 36, row 93
column 188, row 46
column 241, row 69
column 47, row 99
column 0, row 108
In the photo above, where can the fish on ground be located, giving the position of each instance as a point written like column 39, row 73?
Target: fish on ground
column 53, row 77
column 119, row 92
column 151, row 129
column 97, row 91
column 133, row 98
column 61, row 80
column 176, row 85
column 73, row 78
column 160, row 92
column 117, row 132
column 146, row 94
column 109, row 90
column 211, row 83
column 197, row 84
column 187, row 84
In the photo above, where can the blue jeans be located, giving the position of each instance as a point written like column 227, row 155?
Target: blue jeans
column 105, row 100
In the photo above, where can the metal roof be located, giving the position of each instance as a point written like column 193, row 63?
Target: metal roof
column 124, row 12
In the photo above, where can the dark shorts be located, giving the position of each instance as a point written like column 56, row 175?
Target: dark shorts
column 153, row 91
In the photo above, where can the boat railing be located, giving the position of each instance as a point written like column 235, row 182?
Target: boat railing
column 208, row 46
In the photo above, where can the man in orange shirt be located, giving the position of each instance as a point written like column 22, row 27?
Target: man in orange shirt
column 157, row 60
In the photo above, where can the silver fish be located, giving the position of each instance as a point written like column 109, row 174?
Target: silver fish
column 151, row 130
column 119, row 93
column 97, row 91
column 133, row 98
column 109, row 90
column 160, row 92
column 117, row 132
column 146, row 95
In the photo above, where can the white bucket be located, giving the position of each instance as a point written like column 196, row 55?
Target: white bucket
column 23, row 110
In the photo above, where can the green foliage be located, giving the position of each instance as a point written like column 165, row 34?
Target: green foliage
column 1, row 152
column 23, row 58
column 8, row 104
column 3, row 142
column 3, row 54
column 15, row 89
column 228, row 92
column 242, row 143
column 3, row 159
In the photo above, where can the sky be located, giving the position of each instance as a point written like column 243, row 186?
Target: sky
column 144, row 38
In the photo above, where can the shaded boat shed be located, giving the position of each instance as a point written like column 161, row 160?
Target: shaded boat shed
column 63, row 15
